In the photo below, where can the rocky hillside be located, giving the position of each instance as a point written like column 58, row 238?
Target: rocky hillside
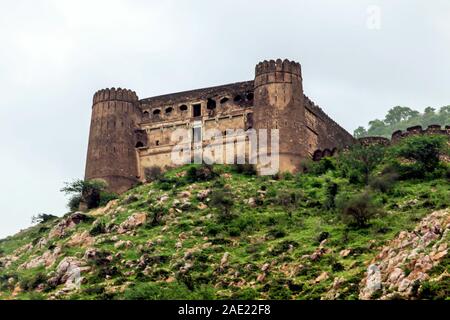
column 231, row 234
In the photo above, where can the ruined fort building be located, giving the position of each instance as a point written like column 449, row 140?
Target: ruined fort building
column 128, row 135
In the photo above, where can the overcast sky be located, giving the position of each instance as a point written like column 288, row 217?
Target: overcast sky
column 55, row 54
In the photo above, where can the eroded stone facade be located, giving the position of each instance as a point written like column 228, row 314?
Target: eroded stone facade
column 128, row 135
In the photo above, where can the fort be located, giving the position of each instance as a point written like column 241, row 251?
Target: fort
column 128, row 134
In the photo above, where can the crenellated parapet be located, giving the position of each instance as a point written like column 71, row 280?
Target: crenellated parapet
column 114, row 94
column 433, row 129
column 418, row 130
column 278, row 71
column 111, row 150
column 278, row 66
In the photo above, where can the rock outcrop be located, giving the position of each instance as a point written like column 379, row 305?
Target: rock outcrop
column 401, row 266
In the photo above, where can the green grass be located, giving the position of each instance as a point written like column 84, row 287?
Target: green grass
column 270, row 232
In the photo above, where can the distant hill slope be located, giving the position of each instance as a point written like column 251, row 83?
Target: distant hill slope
column 400, row 118
column 222, row 232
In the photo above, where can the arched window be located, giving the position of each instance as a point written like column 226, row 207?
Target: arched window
column 145, row 114
column 139, row 144
column 156, row 112
column 237, row 98
column 169, row 110
column 183, row 107
column 250, row 96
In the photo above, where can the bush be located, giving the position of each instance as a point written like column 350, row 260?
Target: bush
column 359, row 162
column 166, row 291
column 320, row 167
column 156, row 214
column 87, row 191
column 331, row 192
column 98, row 228
column 247, row 169
column 106, row 197
column 43, row 218
column 358, row 209
column 153, row 173
column 243, row 223
column 384, row 182
column 222, row 201
column 288, row 199
column 204, row 172
column 276, row 233
column 31, row 282
column 246, row 294
column 279, row 292
column 417, row 156
column 74, row 202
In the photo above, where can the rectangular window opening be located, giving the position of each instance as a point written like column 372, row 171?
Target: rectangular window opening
column 197, row 110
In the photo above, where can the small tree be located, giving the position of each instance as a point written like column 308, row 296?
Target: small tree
column 417, row 156
column 204, row 172
column 223, row 203
column 361, row 161
column 88, row 191
column 358, row 209
column 331, row 192
column 360, row 132
column 42, row 218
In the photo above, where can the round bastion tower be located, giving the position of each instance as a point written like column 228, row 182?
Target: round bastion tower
column 278, row 104
column 111, row 154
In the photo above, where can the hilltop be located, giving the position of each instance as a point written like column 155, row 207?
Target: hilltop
column 370, row 223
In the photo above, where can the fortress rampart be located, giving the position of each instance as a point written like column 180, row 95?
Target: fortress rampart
column 128, row 134
column 396, row 137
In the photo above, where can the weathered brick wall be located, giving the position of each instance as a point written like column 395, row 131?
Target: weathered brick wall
column 279, row 105
column 111, row 152
column 330, row 135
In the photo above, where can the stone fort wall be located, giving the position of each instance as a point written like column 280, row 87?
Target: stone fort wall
column 128, row 134
column 396, row 137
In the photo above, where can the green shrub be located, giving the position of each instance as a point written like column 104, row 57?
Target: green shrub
column 204, row 172
column 87, row 191
column 155, row 215
column 246, row 294
column 98, row 228
column 360, row 161
column 244, row 222
column 384, row 182
column 288, row 198
column 322, row 166
column 246, row 169
column 32, row 281
column 331, row 192
column 43, row 218
column 435, row 290
column 358, row 209
column 74, row 202
column 106, row 197
column 213, row 229
column 417, row 156
column 167, row 291
column 279, row 292
column 276, row 233
column 222, row 202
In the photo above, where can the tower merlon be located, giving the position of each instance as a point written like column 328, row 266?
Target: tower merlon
column 278, row 66
column 114, row 94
